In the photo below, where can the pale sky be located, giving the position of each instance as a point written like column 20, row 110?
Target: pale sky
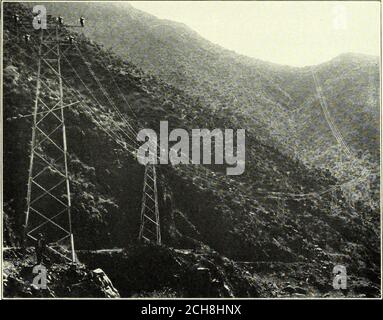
column 291, row 33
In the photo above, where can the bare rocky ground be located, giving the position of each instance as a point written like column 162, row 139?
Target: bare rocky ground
column 149, row 271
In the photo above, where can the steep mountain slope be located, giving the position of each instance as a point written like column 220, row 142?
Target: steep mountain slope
column 62, row 279
column 185, row 60
column 277, row 103
column 350, row 84
column 277, row 99
column 253, row 217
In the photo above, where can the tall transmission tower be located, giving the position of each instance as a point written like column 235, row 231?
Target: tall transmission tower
column 48, row 211
column 150, row 218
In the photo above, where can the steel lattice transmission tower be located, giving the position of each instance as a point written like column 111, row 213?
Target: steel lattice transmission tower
column 48, row 196
column 150, row 218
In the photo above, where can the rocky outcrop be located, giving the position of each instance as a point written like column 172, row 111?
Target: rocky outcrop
column 61, row 280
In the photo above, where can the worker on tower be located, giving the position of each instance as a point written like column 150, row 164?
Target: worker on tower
column 40, row 248
column 61, row 20
column 16, row 19
column 70, row 39
column 82, row 21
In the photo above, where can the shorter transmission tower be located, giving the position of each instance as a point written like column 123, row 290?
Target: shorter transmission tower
column 150, row 217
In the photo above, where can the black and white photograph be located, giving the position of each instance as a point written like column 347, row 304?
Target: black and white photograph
column 191, row 149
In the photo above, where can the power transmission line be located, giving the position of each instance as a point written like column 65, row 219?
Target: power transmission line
column 323, row 104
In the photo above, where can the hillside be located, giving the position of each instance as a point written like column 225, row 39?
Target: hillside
column 277, row 99
column 277, row 103
column 255, row 217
